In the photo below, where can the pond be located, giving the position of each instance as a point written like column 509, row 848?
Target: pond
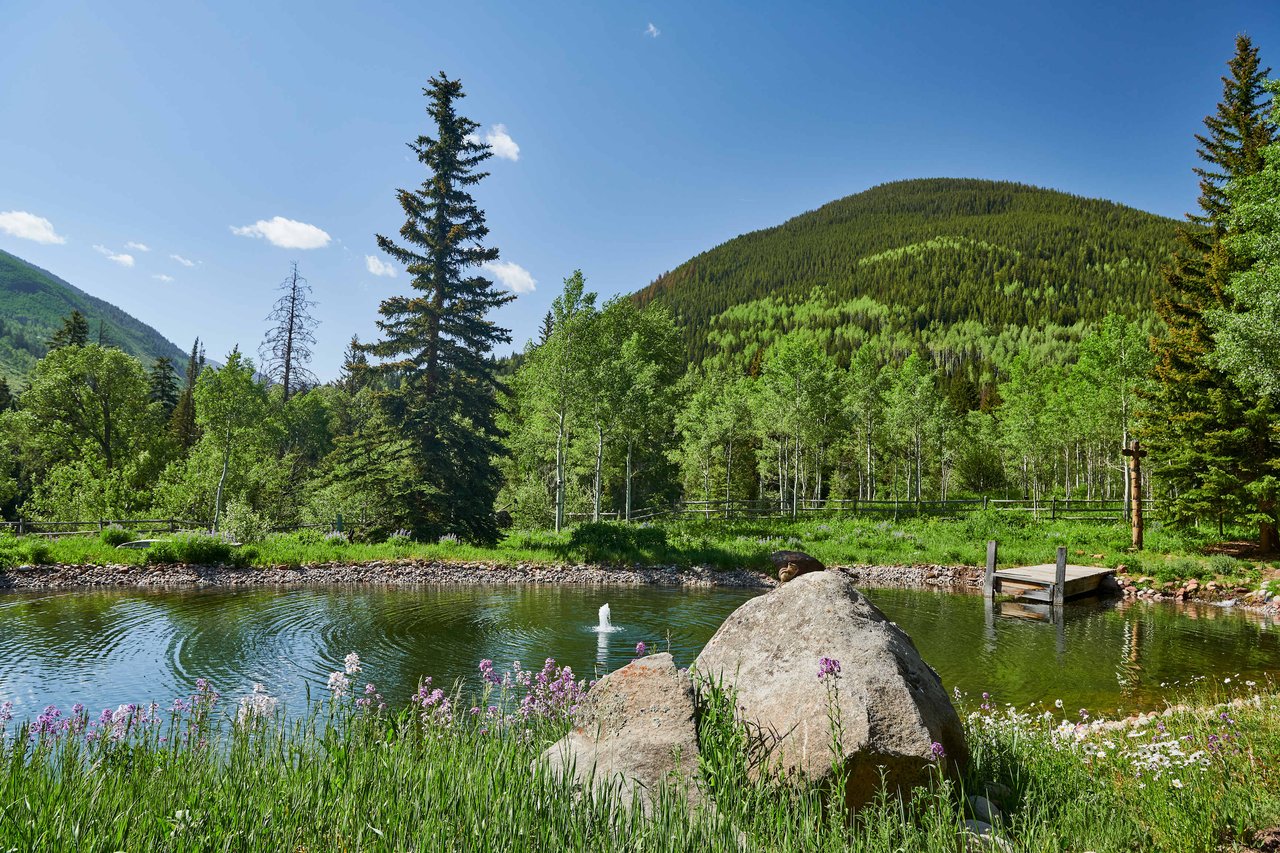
column 104, row 648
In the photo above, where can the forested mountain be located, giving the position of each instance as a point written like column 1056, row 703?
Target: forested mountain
column 33, row 304
column 975, row 270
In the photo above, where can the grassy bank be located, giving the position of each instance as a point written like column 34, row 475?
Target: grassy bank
column 1169, row 555
column 235, row 774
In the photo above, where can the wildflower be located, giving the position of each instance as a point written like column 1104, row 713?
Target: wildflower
column 1057, row 703
column 937, row 751
column 487, row 673
column 339, row 684
column 828, row 668
column 257, row 705
column 6, row 713
column 351, row 663
column 1177, row 783
column 641, row 650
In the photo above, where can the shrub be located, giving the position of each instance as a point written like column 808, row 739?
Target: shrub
column 611, row 540
column 400, row 538
column 1222, row 564
column 193, row 549
column 1183, row 568
column 114, row 535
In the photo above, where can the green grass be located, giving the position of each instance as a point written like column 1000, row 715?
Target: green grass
column 344, row 778
column 1170, row 555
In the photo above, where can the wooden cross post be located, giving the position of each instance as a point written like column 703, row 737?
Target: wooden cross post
column 1058, row 594
column 1135, row 454
column 989, row 579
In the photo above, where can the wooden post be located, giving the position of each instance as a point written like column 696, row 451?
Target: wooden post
column 989, row 579
column 1060, row 577
column 1135, row 454
column 1053, row 509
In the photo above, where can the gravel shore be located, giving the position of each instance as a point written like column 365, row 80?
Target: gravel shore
column 409, row 572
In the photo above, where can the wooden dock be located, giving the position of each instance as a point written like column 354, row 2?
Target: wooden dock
column 1051, row 583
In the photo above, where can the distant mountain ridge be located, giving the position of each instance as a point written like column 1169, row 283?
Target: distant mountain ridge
column 963, row 267
column 33, row 303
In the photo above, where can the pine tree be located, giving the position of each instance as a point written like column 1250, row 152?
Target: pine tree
column 74, row 332
column 6, row 395
column 286, row 350
column 354, row 374
column 162, row 385
column 438, row 343
column 1209, row 442
column 182, row 423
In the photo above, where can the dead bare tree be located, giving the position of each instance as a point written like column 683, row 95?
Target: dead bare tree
column 286, row 350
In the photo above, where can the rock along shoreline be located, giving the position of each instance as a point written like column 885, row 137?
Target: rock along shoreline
column 413, row 572
column 410, row 572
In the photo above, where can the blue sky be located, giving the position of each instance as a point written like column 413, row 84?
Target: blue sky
column 646, row 131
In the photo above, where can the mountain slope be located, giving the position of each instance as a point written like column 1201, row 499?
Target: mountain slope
column 964, row 267
column 33, row 303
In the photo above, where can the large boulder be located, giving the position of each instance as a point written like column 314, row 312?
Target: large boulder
column 791, row 564
column 635, row 729
column 891, row 706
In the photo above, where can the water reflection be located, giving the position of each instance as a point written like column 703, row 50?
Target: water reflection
column 103, row 648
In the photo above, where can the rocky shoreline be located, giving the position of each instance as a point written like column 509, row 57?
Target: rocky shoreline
column 410, row 572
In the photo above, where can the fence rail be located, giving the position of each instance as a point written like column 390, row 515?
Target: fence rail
column 1053, row 509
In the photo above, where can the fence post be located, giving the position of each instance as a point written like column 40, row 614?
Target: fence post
column 989, row 579
column 19, row 525
column 984, row 503
column 1053, row 509
column 1060, row 577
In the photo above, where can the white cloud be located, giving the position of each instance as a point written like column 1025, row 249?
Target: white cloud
column 378, row 266
column 512, row 276
column 183, row 261
column 28, row 226
column 167, row 279
column 137, row 247
column 651, row 31
column 285, row 233
column 122, row 259
column 499, row 142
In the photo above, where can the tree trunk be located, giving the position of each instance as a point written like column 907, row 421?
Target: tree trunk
column 226, row 462
column 595, row 505
column 630, row 443
column 560, row 475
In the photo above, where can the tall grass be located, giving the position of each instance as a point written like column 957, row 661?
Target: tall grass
column 211, row 775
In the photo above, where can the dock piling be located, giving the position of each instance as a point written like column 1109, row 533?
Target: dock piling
column 1060, row 577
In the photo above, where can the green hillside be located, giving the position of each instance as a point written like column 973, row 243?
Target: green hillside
column 33, row 303
column 975, row 271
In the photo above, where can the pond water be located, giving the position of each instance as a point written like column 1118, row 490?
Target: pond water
column 104, row 648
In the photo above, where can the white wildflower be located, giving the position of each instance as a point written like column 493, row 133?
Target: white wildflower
column 351, row 663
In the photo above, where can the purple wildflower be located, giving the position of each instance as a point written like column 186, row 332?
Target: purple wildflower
column 641, row 650
column 937, row 751
column 828, row 668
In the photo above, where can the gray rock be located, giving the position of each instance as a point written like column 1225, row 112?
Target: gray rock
column 891, row 705
column 980, row 836
column 635, row 730
column 984, row 810
column 792, row 564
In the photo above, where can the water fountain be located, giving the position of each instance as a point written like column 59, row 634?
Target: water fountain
column 605, row 626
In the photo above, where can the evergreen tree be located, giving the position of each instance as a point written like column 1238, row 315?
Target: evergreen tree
column 182, row 423
column 354, row 374
column 1209, row 442
column 6, row 395
column 163, row 385
column 286, row 350
column 438, row 342
column 74, row 332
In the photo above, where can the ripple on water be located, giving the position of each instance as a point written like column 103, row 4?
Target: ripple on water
column 112, row 646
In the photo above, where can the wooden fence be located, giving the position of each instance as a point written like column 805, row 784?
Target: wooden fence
column 1053, row 509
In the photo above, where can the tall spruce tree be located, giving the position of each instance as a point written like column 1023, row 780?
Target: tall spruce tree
column 6, row 395
column 182, row 423
column 74, row 332
column 1209, row 442
column 355, row 363
column 438, row 342
column 163, row 385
